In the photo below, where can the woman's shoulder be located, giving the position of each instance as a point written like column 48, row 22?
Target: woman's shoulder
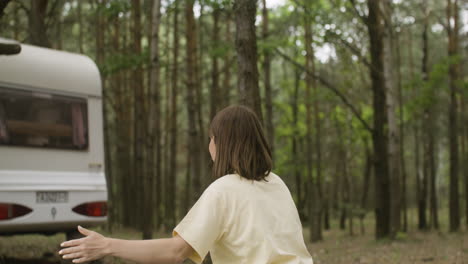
column 235, row 181
column 226, row 181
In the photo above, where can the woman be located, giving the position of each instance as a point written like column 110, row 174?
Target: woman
column 247, row 215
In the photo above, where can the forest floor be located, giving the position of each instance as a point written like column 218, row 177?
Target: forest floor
column 338, row 247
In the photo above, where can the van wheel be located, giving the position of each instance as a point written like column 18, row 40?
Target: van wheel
column 74, row 234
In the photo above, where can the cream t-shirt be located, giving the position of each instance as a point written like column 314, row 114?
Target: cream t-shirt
column 244, row 221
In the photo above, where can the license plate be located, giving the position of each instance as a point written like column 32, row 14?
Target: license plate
column 51, row 197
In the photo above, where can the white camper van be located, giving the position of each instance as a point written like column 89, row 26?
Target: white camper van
column 51, row 142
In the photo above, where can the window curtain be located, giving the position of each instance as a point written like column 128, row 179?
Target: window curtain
column 79, row 139
column 4, row 138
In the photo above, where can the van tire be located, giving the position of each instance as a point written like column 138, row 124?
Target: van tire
column 74, row 234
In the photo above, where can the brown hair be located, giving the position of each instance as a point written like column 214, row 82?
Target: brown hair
column 241, row 146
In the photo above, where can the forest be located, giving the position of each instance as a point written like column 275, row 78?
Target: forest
column 364, row 103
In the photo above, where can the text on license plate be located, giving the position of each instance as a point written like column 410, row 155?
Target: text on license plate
column 51, row 197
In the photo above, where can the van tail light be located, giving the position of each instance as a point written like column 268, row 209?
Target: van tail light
column 9, row 211
column 91, row 209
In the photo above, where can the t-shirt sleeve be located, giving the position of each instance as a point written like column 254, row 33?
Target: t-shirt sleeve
column 203, row 225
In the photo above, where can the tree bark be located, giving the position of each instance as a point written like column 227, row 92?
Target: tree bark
column 80, row 24
column 394, row 156
column 140, row 168
column 267, row 80
column 172, row 175
column 215, row 89
column 246, row 48
column 37, row 28
column 3, row 5
column 193, row 132
column 313, row 188
column 454, row 77
column 380, row 133
column 226, row 98
column 294, row 143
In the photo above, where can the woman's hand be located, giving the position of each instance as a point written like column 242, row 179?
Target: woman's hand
column 91, row 247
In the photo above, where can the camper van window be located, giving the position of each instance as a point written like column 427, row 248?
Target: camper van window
column 45, row 120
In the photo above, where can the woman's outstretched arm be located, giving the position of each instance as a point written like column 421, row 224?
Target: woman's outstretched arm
column 95, row 246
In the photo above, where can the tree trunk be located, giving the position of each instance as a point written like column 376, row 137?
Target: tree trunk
column 215, row 90
column 172, row 175
column 107, row 98
column 454, row 77
column 226, row 94
column 37, row 28
column 267, row 80
column 3, row 5
column 153, row 126
column 404, row 175
column 393, row 128
column 246, row 48
column 465, row 169
column 379, row 132
column 294, row 143
column 313, row 188
column 80, row 25
column 193, row 132
column 16, row 18
column 365, row 184
column 140, row 168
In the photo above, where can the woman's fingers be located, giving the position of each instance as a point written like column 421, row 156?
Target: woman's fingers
column 84, row 231
column 80, row 260
column 72, row 243
column 73, row 255
column 71, row 250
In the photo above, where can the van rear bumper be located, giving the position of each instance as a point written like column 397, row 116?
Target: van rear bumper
column 21, row 187
column 47, row 228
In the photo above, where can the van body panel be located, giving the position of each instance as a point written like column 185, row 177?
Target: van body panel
column 51, row 69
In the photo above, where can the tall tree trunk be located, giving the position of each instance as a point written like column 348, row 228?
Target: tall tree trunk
column 432, row 176
column 166, row 158
column 16, row 19
column 404, row 175
column 193, row 132
column 393, row 128
column 107, row 99
column 464, row 151
column 153, row 126
column 294, row 143
column 246, row 47
column 454, row 77
column 465, row 168
column 3, row 5
column 429, row 180
column 140, row 168
column 313, row 193
column 37, row 28
column 128, row 130
column 215, row 89
column 121, row 150
column 421, row 186
column 365, row 184
column 172, row 175
column 379, row 132
column 267, row 80
column 225, row 99
column 80, row 25
column 343, row 178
